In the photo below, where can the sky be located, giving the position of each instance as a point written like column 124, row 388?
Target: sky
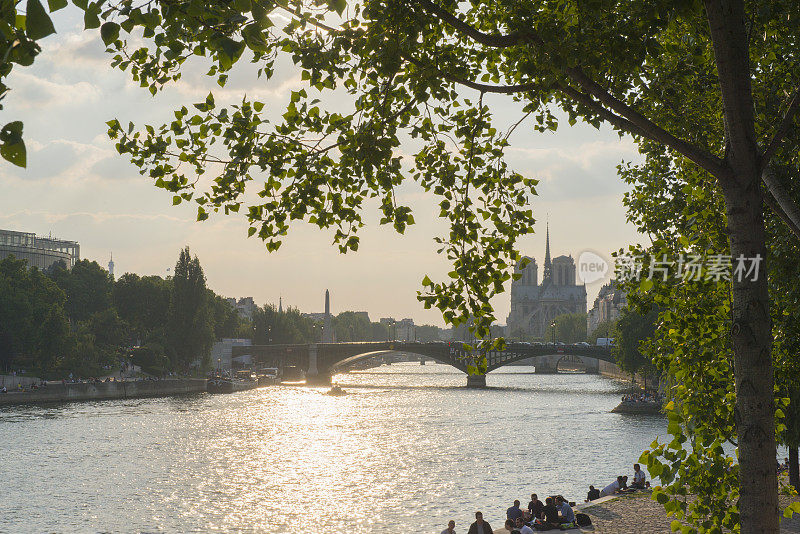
column 76, row 187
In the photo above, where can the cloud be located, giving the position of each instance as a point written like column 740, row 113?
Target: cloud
column 30, row 91
column 584, row 170
column 95, row 217
column 82, row 49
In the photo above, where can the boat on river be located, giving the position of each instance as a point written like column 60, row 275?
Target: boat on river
column 268, row 376
column 336, row 391
column 241, row 381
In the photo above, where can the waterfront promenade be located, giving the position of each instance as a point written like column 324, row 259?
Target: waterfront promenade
column 637, row 513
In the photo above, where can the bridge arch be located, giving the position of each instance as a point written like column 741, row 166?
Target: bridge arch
column 366, row 355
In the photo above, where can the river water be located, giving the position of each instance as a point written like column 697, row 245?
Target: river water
column 407, row 449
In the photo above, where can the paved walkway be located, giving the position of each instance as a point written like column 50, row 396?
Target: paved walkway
column 638, row 513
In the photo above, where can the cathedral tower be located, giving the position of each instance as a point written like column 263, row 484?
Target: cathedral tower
column 548, row 266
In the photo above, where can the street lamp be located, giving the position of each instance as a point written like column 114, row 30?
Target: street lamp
column 553, row 325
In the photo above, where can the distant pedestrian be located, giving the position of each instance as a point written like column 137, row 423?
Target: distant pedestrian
column 514, row 512
column 479, row 526
column 451, row 527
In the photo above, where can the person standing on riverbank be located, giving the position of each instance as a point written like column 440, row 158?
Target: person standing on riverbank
column 479, row 526
column 451, row 528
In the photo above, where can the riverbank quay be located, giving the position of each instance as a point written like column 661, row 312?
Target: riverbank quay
column 638, row 513
column 129, row 389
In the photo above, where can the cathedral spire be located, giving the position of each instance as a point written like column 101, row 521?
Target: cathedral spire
column 547, row 264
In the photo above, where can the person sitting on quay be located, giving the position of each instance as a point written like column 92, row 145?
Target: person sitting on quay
column 567, row 515
column 4, row 390
column 593, row 494
column 522, row 527
column 612, row 488
column 451, row 527
column 623, row 486
column 535, row 506
column 638, row 477
column 508, row 527
column 480, row 526
column 514, row 512
column 549, row 518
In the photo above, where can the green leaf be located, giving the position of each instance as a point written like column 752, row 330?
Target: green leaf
column 55, row 5
column 260, row 14
column 38, row 23
column 91, row 19
column 793, row 508
column 337, row 5
column 12, row 148
column 109, row 32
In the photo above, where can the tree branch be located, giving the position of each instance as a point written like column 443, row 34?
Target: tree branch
column 485, row 88
column 646, row 127
column 780, row 202
column 620, row 123
column 783, row 129
column 494, row 40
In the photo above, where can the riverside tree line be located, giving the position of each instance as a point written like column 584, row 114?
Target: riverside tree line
column 80, row 321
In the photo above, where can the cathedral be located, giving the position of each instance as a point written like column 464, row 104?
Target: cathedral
column 534, row 305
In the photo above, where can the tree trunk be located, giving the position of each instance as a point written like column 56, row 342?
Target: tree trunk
column 751, row 335
column 751, row 339
column 794, row 469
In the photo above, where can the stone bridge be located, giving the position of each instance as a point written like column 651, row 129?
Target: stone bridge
column 321, row 360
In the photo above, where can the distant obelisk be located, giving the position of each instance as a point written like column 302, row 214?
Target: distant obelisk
column 327, row 331
column 280, row 304
column 111, row 266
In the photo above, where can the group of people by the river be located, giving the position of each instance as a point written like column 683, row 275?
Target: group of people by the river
column 643, row 397
column 554, row 513
column 620, row 485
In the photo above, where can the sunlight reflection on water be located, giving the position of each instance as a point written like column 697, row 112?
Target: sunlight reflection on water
column 404, row 451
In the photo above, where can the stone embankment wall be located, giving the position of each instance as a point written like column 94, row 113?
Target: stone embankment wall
column 106, row 390
column 12, row 381
column 612, row 370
